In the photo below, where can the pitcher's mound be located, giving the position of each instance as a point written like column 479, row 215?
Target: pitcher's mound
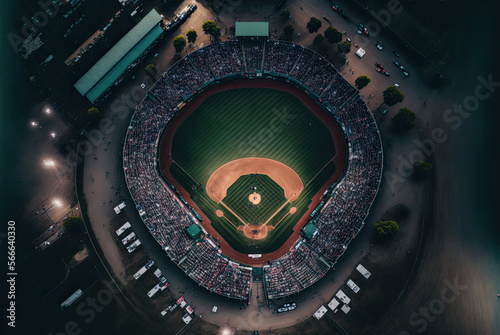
column 293, row 210
column 254, row 198
column 219, row 213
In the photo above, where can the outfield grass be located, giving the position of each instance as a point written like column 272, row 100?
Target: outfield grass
column 252, row 122
column 272, row 198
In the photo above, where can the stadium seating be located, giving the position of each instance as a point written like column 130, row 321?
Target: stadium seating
column 342, row 216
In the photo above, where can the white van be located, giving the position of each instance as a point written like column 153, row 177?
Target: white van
column 360, row 53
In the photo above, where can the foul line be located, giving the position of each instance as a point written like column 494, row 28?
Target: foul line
column 279, row 209
column 281, row 220
column 303, row 187
column 230, row 222
column 196, row 182
column 324, row 166
column 229, row 209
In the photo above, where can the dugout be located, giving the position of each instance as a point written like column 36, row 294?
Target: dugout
column 309, row 230
column 194, row 231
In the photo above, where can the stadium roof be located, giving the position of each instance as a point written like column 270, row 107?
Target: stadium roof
column 194, row 231
column 252, row 29
column 117, row 53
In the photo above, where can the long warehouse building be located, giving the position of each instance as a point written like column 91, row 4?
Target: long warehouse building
column 116, row 61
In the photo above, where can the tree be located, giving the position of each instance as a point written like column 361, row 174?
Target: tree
column 392, row 95
column 179, row 43
column 211, row 29
column 344, row 47
column 362, row 81
column 421, row 169
column 384, row 230
column 73, row 225
column 333, row 35
column 151, row 70
column 288, row 30
column 318, row 40
column 313, row 25
column 405, row 119
column 191, row 35
column 94, row 112
column 285, row 14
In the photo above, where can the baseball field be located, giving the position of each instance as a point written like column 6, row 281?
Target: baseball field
column 251, row 160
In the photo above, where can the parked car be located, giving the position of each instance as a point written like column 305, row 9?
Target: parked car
column 362, row 30
column 402, row 68
column 395, row 52
column 379, row 45
column 379, row 70
column 399, row 66
column 377, row 64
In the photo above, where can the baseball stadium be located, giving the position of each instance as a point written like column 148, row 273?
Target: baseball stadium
column 253, row 160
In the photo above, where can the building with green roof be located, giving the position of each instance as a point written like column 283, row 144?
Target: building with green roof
column 310, row 230
column 194, row 231
column 114, row 63
column 252, row 29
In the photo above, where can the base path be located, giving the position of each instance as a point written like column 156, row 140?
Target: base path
column 339, row 160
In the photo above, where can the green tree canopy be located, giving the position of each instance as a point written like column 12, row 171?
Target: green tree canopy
column 392, row 95
column 333, row 35
column 288, row 30
column 151, row 70
column 421, row 169
column 362, row 81
column 179, row 43
column 94, row 112
column 318, row 40
column 191, row 35
column 211, row 29
column 313, row 25
column 405, row 119
column 344, row 47
column 73, row 225
column 384, row 230
column 285, row 14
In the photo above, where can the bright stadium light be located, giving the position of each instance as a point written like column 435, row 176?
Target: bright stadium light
column 33, row 123
column 48, row 162
column 57, row 202
column 47, row 110
column 226, row 331
column 53, row 135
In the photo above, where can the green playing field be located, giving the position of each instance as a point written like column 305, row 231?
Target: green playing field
column 252, row 122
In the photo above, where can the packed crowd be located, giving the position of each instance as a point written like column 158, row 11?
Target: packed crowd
column 344, row 214
column 219, row 59
column 166, row 218
column 302, row 264
column 206, row 266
